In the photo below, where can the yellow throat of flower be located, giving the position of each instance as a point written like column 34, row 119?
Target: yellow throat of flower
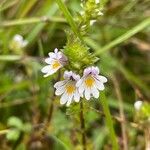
column 70, row 88
column 89, row 81
column 56, row 64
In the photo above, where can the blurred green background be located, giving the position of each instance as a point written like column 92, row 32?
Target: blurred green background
column 25, row 96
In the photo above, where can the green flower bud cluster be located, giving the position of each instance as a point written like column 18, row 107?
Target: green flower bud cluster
column 78, row 53
column 91, row 12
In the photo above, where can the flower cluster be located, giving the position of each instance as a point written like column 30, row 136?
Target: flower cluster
column 73, row 87
column 91, row 11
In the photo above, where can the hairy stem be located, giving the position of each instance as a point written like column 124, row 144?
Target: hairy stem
column 82, row 121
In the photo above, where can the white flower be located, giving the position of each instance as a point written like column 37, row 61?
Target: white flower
column 138, row 105
column 55, row 61
column 91, row 82
column 20, row 42
column 67, row 88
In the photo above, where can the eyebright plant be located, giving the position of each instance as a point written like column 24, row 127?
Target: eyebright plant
column 82, row 78
column 73, row 87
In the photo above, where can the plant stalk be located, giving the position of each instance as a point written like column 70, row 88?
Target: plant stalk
column 109, row 121
column 147, row 138
column 121, row 111
column 82, row 121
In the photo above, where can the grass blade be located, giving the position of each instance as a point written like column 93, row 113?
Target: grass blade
column 109, row 121
column 30, row 21
column 125, row 36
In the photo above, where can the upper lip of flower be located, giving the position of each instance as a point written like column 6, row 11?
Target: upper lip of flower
column 71, row 76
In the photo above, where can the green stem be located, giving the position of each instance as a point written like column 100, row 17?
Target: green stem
column 69, row 18
column 109, row 122
column 82, row 121
column 30, row 21
column 125, row 36
column 10, row 57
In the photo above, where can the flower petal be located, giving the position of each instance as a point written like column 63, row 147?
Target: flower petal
column 63, row 98
column 46, row 75
column 46, row 69
column 99, row 85
column 87, row 93
column 52, row 55
column 60, row 90
column 95, row 70
column 95, row 92
column 81, row 88
column 60, row 83
column 66, row 75
column 49, row 60
column 56, row 50
column 101, row 78
column 78, row 84
column 76, row 96
column 69, row 100
column 50, row 72
column 87, row 71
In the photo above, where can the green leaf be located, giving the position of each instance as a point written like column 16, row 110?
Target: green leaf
column 59, row 145
column 15, row 122
column 55, row 144
column 13, row 135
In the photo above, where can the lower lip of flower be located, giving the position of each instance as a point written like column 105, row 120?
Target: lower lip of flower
column 56, row 64
column 89, row 81
column 70, row 88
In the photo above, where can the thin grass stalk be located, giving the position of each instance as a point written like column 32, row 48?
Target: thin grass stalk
column 109, row 122
column 145, row 23
column 25, row 21
column 122, row 114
